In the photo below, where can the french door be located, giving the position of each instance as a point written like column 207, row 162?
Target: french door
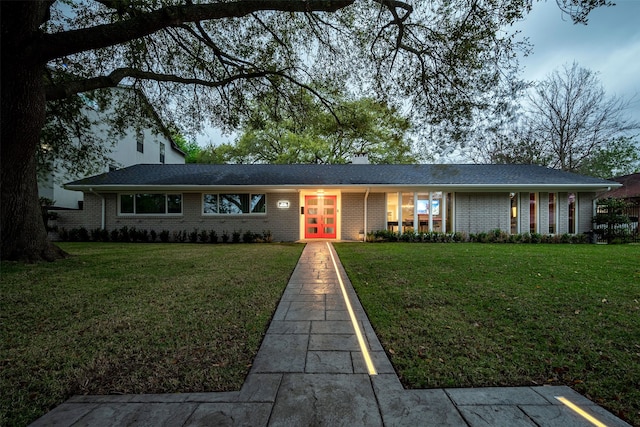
column 320, row 217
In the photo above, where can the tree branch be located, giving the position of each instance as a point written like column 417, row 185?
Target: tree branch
column 50, row 46
column 64, row 90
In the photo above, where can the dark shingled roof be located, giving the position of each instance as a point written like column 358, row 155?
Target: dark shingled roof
column 630, row 187
column 183, row 175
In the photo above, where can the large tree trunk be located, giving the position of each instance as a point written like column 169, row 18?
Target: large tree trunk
column 23, row 114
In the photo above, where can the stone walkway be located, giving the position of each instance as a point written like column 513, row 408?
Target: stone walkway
column 312, row 370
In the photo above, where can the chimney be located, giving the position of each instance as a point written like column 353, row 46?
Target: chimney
column 360, row 159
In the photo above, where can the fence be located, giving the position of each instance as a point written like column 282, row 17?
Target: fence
column 616, row 221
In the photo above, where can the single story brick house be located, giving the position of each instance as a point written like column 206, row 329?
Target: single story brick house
column 341, row 202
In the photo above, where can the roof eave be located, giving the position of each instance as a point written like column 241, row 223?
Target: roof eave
column 348, row 187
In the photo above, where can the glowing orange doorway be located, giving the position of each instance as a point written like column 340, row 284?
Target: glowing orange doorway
column 320, row 217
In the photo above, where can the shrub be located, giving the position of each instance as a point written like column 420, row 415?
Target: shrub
column 235, row 236
column 115, row 235
column 267, row 237
column 193, row 236
column 164, row 236
column 248, row 237
column 225, row 236
column 203, row 236
column 153, row 235
column 180, row 236
column 124, row 234
column 99, row 235
column 213, row 236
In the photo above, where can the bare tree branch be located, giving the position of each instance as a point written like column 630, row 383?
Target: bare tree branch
column 50, row 46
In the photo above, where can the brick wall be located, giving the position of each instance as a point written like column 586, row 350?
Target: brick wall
column 283, row 223
column 377, row 212
column 474, row 213
column 482, row 212
column 585, row 212
column 352, row 215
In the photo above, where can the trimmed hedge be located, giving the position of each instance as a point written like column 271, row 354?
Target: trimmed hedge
column 133, row 235
column 494, row 236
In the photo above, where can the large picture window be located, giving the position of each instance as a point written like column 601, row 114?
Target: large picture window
column 234, row 203
column 151, row 204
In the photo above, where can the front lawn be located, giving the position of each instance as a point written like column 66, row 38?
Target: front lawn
column 134, row 318
column 475, row 315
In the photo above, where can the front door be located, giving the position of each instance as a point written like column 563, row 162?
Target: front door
column 320, row 217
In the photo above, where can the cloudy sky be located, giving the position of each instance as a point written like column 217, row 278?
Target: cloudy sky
column 609, row 44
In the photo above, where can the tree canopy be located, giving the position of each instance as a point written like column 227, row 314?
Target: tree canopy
column 201, row 62
column 303, row 131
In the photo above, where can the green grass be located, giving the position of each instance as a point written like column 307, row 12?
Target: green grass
column 474, row 315
column 134, row 318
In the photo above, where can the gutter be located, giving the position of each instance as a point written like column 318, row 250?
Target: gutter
column 366, row 198
column 104, row 208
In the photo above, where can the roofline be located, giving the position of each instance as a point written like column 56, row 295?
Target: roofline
column 346, row 187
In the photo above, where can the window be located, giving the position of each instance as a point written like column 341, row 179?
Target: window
column 151, row 204
column 533, row 213
column 161, row 152
column 234, row 204
column 514, row 213
column 392, row 211
column 553, row 212
column 407, row 212
column 140, row 141
column 572, row 213
column 424, row 211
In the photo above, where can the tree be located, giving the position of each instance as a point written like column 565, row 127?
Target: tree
column 567, row 122
column 305, row 132
column 620, row 156
column 190, row 148
column 211, row 60
column 572, row 118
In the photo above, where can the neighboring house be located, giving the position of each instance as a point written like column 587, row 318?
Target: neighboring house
column 135, row 146
column 630, row 190
column 341, row 202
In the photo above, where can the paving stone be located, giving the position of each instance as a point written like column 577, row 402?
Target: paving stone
column 332, row 327
column 65, row 414
column 490, row 416
column 320, row 289
column 221, row 396
column 562, row 416
column 379, row 359
column 551, row 392
column 226, row 414
column 418, row 407
column 329, row 362
column 139, row 414
column 110, row 398
column 337, row 315
column 383, row 383
column 281, row 310
column 281, row 353
column 327, row 342
column 260, row 388
column 495, row 396
column 305, row 310
column 289, row 327
column 325, row 400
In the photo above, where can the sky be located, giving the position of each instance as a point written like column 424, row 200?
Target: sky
column 609, row 45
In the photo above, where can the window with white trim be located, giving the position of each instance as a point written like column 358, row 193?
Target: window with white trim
column 150, row 204
column 234, row 204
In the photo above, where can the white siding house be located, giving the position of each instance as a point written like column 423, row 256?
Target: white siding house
column 134, row 146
